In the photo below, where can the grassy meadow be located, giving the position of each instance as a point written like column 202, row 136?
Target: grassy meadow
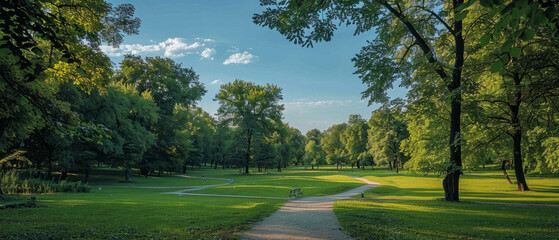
column 118, row 212
column 417, row 211
column 127, row 211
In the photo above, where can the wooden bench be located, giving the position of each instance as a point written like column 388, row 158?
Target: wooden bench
column 295, row 192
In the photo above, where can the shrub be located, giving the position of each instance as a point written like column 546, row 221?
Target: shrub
column 12, row 183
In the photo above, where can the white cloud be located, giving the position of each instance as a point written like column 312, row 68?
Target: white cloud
column 172, row 48
column 240, row 58
column 208, row 53
column 217, row 81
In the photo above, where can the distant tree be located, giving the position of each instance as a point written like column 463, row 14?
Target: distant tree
column 313, row 154
column 334, row 146
column 251, row 108
column 387, row 129
column 355, row 139
column 314, row 135
column 296, row 142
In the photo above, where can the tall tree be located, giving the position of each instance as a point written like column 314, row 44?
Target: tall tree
column 387, row 129
column 355, row 139
column 518, row 97
column 334, row 146
column 296, row 145
column 251, row 108
column 404, row 42
column 170, row 85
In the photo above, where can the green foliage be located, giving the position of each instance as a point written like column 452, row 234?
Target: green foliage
column 334, row 145
column 387, row 130
column 170, row 86
column 252, row 108
column 355, row 139
column 12, row 183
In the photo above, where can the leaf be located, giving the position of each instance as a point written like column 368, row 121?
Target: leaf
column 485, row 39
column 528, row 34
column 515, row 52
column 497, row 66
column 507, row 45
column 461, row 15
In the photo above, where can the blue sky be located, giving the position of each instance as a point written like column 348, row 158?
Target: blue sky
column 219, row 41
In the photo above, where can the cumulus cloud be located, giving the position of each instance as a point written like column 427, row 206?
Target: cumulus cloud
column 208, row 53
column 172, row 48
column 240, row 58
column 217, row 81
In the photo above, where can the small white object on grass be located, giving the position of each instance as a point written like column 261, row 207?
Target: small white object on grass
column 99, row 188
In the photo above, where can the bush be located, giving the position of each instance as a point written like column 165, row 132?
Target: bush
column 12, row 183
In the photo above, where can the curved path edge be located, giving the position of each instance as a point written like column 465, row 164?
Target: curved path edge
column 306, row 218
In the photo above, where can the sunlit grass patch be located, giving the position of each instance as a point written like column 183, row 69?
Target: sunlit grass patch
column 419, row 219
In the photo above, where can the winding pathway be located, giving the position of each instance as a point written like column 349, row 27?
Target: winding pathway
column 306, row 218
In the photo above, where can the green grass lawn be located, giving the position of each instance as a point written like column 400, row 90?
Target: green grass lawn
column 421, row 214
column 116, row 212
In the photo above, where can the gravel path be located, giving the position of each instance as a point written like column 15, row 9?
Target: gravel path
column 305, row 218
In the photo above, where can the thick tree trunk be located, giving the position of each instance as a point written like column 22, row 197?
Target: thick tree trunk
column 389, row 165
column 64, row 175
column 517, row 137
column 184, row 168
column 127, row 174
column 279, row 167
column 520, row 179
column 358, row 165
column 505, row 172
column 452, row 179
column 396, row 164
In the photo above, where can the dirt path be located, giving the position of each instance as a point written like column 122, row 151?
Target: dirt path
column 305, row 218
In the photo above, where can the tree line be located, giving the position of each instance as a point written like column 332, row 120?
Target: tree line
column 66, row 108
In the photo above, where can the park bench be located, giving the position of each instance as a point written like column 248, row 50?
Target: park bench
column 295, row 192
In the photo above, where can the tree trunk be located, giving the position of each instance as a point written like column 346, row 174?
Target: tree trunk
column 184, row 168
column 127, row 174
column 86, row 178
column 358, row 166
column 520, row 179
column 452, row 179
column 396, row 164
column 517, row 137
column 389, row 165
column 279, row 167
column 505, row 172
column 64, row 175
column 247, row 157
